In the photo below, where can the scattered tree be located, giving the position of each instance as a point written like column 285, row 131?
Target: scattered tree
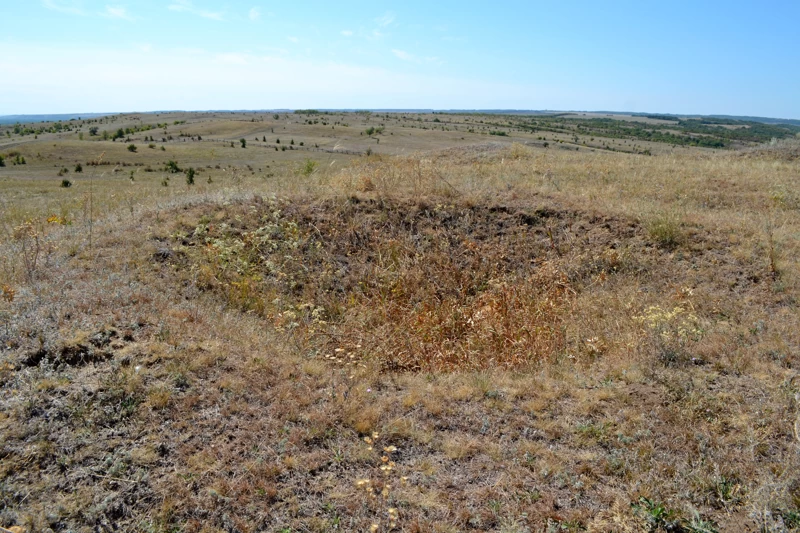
column 132, row 148
column 78, row 168
column 93, row 131
column 244, row 143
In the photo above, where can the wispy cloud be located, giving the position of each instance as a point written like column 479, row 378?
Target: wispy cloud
column 385, row 20
column 231, row 59
column 405, row 56
column 186, row 6
column 347, row 33
column 64, row 6
column 254, row 14
column 117, row 12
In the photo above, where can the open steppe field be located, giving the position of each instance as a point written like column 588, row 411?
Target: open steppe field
column 354, row 321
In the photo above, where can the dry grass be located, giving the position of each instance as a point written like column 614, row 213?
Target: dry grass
column 540, row 341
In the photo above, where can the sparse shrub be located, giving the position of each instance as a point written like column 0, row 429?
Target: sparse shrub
column 2, row 161
column 190, row 172
column 93, row 131
column 243, row 143
column 519, row 151
column 665, row 229
column 29, row 240
column 151, row 146
column 172, row 167
column 78, row 168
column 163, row 149
column 132, row 148
column 657, row 516
column 308, row 167
column 65, row 183
column 671, row 330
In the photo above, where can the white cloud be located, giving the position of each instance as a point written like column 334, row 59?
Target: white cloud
column 186, row 6
column 385, row 20
column 231, row 59
column 405, row 56
column 145, row 47
column 347, row 33
column 254, row 14
column 294, row 39
column 64, row 6
column 117, row 12
column 241, row 81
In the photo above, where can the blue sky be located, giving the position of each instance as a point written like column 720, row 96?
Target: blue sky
column 706, row 57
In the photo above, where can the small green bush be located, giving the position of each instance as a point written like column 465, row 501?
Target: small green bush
column 308, row 167
column 665, row 229
column 65, row 183
column 132, row 148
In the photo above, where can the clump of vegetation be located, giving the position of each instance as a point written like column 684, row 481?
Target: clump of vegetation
column 308, row 167
column 65, row 183
column 172, row 167
column 666, row 230
column 132, row 148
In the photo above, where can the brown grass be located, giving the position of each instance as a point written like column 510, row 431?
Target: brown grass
column 540, row 341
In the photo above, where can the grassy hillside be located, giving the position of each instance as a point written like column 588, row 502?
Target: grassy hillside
column 423, row 328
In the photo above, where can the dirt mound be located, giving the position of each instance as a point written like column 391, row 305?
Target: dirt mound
column 417, row 285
